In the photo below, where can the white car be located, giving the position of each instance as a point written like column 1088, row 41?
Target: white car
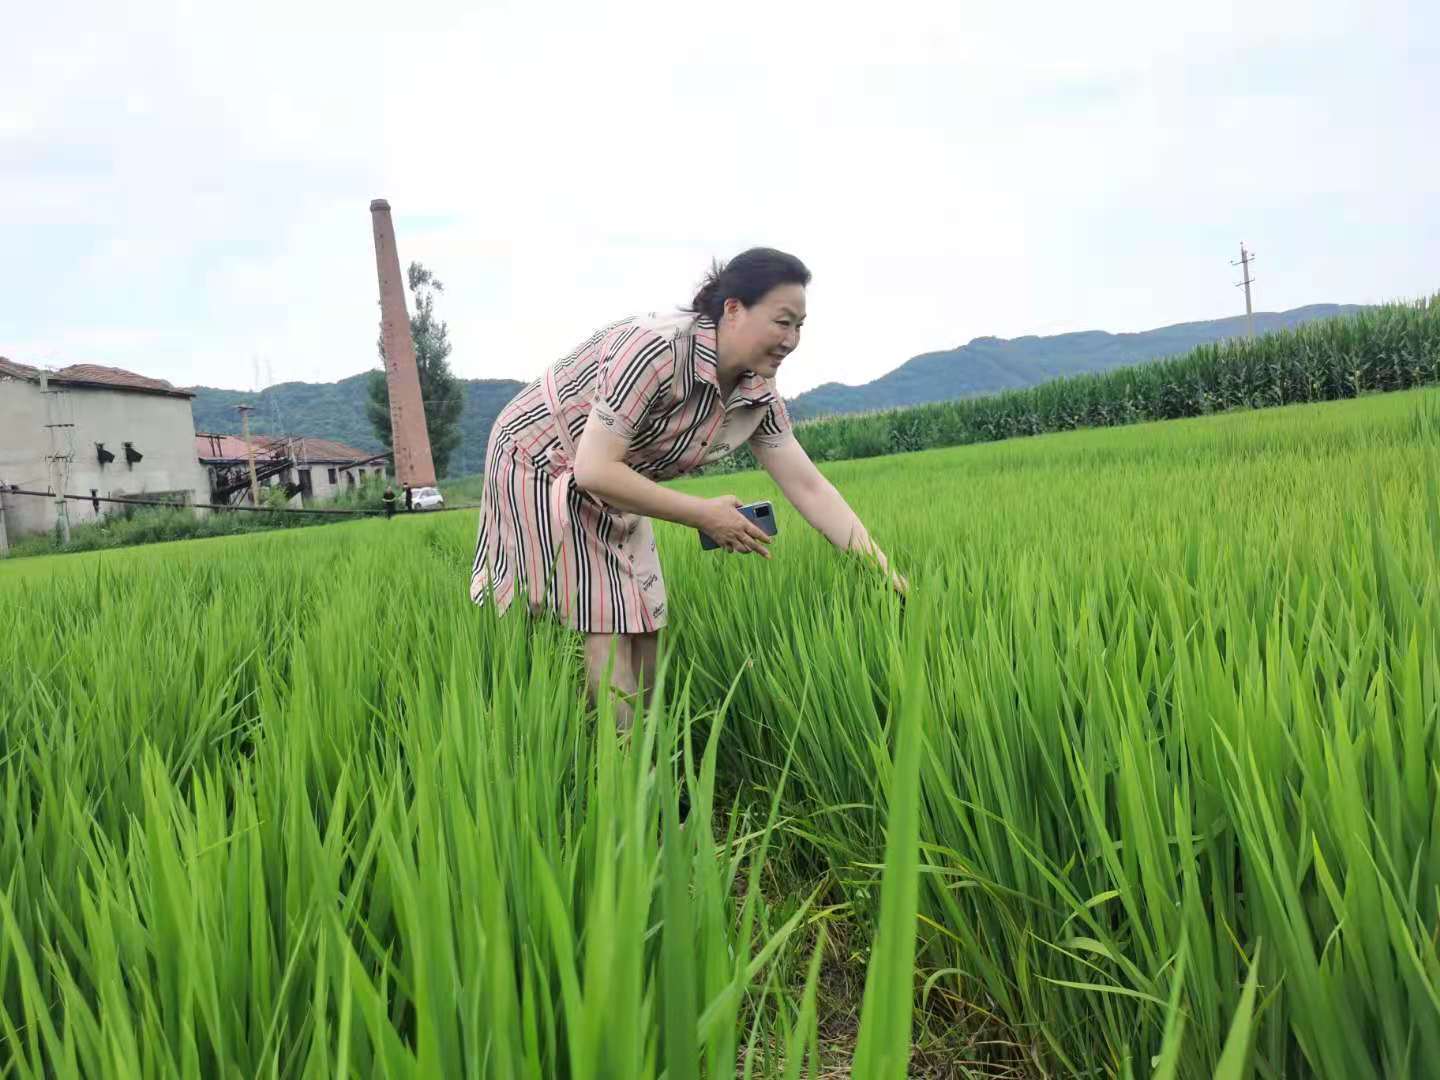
column 426, row 498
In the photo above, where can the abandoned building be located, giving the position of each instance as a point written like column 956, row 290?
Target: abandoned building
column 308, row 469
column 92, row 431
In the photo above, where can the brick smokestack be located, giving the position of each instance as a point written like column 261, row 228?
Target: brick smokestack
column 409, row 437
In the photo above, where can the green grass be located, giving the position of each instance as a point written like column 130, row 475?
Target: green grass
column 1144, row 778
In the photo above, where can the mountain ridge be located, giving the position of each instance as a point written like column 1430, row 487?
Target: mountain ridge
column 989, row 364
column 984, row 365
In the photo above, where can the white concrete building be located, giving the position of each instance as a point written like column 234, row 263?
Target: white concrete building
column 127, row 435
column 318, row 469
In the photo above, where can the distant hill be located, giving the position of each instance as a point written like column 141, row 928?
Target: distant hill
column 985, row 366
column 989, row 365
column 337, row 411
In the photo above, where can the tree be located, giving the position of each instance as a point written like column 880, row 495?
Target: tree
column 442, row 392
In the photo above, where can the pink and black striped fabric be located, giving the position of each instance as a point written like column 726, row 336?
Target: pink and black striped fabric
column 652, row 380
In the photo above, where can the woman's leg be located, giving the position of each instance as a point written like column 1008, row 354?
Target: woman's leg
column 615, row 652
column 645, row 648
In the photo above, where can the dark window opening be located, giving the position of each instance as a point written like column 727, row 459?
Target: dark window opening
column 331, row 474
column 306, row 487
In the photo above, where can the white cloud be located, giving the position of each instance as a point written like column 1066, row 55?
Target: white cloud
column 185, row 187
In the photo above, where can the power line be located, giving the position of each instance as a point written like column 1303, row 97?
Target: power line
column 174, row 505
column 13, row 490
column 274, row 398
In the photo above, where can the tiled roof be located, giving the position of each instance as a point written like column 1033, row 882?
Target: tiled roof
column 17, row 370
column 309, row 448
column 94, row 375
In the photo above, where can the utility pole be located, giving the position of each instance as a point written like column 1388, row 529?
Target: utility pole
column 59, row 462
column 250, row 452
column 4, row 540
column 1246, row 258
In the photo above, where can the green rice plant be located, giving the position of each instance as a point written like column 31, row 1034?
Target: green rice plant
column 1185, row 689
column 1142, row 780
column 884, row 1043
column 292, row 829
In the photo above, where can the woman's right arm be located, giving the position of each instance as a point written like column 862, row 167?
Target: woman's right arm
column 600, row 469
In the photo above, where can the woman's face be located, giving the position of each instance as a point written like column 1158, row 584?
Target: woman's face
column 763, row 334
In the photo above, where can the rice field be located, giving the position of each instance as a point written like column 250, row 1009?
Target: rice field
column 1141, row 781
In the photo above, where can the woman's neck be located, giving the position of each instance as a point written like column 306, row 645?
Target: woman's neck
column 728, row 367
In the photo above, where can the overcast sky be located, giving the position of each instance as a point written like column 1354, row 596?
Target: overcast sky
column 184, row 188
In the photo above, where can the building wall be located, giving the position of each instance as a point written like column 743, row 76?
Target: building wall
column 345, row 479
column 162, row 428
column 321, row 489
column 22, row 455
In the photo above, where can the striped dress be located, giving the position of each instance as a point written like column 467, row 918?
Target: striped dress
column 652, row 380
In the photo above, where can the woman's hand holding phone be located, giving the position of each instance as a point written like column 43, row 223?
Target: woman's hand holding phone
column 722, row 521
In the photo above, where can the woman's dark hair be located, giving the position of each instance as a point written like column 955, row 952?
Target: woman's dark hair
column 747, row 277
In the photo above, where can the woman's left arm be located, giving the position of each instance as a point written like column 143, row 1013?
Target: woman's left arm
column 819, row 503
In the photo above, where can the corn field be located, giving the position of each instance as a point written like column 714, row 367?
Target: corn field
column 1388, row 348
column 1140, row 782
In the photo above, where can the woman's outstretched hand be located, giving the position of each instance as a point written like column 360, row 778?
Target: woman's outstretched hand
column 732, row 530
